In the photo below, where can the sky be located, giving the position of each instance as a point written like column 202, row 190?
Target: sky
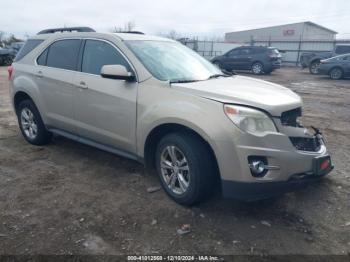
column 189, row 18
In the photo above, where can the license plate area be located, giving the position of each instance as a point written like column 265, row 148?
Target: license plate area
column 322, row 165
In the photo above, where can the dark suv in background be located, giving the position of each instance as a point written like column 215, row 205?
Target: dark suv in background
column 258, row 59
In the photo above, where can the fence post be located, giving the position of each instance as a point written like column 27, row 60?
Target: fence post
column 298, row 56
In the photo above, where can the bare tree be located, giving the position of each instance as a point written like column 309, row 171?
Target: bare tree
column 1, row 38
column 129, row 26
column 10, row 40
column 172, row 34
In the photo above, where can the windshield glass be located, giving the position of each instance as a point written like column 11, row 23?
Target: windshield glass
column 172, row 61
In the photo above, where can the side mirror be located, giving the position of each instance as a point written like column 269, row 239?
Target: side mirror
column 116, row 72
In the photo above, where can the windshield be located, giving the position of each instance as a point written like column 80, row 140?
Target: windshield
column 172, row 61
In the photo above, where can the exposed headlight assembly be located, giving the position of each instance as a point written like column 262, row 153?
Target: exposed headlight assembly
column 250, row 120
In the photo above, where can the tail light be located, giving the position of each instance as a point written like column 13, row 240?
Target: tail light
column 10, row 71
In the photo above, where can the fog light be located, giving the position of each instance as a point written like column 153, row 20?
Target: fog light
column 257, row 165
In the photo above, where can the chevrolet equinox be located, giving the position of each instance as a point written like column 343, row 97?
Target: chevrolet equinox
column 154, row 100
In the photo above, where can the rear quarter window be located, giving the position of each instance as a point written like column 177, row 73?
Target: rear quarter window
column 30, row 45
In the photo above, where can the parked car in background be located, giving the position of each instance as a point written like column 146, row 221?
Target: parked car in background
column 312, row 60
column 156, row 101
column 336, row 67
column 258, row 59
column 8, row 53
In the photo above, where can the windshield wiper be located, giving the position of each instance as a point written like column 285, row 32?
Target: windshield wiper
column 224, row 74
column 182, row 81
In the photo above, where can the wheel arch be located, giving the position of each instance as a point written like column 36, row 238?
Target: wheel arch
column 160, row 131
column 19, row 97
column 336, row 67
column 316, row 59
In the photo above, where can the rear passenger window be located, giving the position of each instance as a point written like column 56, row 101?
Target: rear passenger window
column 64, row 54
column 245, row 51
column 99, row 53
column 27, row 48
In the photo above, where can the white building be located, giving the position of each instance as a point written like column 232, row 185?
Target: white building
column 289, row 32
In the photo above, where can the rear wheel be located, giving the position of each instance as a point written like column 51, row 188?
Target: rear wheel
column 257, row 68
column 185, row 168
column 31, row 124
column 336, row 73
column 314, row 67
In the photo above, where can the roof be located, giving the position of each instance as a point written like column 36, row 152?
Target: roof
column 128, row 36
column 305, row 22
column 120, row 36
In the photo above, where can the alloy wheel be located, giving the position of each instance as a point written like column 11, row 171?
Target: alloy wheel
column 257, row 68
column 336, row 73
column 314, row 68
column 28, row 123
column 175, row 169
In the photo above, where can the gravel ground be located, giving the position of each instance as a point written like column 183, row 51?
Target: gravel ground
column 68, row 198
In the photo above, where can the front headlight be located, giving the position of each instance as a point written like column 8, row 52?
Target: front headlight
column 249, row 120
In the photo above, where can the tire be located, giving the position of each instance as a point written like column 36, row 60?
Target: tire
column 313, row 68
column 336, row 73
column 257, row 68
column 194, row 166
column 31, row 124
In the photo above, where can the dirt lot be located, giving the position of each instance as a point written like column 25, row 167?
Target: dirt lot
column 67, row 198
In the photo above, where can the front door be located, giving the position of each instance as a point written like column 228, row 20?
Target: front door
column 105, row 109
column 231, row 60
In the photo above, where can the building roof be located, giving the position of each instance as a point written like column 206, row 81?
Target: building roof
column 305, row 22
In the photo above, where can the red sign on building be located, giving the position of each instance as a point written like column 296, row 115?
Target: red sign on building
column 288, row 32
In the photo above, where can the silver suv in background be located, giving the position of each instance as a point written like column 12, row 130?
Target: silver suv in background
column 154, row 100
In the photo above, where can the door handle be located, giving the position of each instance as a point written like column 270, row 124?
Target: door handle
column 39, row 74
column 83, row 85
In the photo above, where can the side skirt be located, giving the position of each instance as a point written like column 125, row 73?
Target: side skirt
column 98, row 145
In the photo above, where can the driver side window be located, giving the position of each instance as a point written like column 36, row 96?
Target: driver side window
column 99, row 53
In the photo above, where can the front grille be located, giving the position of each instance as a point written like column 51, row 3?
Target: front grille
column 306, row 144
column 289, row 118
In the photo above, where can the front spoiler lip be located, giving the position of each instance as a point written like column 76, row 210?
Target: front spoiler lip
column 264, row 190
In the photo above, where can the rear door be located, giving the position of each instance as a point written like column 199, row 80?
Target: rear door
column 54, row 74
column 245, row 58
column 105, row 109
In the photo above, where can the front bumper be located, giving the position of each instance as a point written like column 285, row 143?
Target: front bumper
column 293, row 164
column 258, row 191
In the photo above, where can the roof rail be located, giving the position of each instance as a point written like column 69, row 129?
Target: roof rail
column 131, row 32
column 66, row 29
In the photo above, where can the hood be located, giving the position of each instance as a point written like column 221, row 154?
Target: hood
column 242, row 90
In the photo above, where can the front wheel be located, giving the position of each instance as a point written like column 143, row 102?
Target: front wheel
column 257, row 68
column 336, row 74
column 314, row 67
column 185, row 168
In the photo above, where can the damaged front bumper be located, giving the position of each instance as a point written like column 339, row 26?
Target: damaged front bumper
column 298, row 157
